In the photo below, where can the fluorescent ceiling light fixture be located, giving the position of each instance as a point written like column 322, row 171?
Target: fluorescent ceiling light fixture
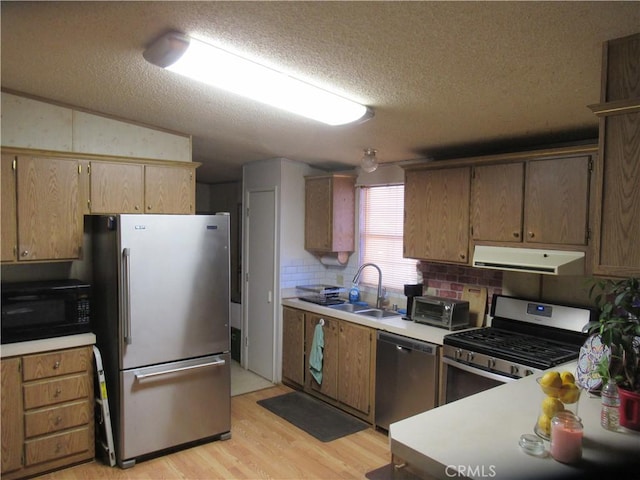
column 201, row 61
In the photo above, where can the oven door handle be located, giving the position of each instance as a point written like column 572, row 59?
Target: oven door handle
column 478, row 371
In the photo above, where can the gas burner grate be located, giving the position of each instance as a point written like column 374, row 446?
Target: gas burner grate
column 514, row 346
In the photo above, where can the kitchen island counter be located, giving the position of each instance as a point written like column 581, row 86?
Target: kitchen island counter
column 477, row 437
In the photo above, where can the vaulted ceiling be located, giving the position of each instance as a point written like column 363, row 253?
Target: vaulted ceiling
column 444, row 78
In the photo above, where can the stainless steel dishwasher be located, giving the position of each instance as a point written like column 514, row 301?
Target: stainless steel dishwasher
column 406, row 378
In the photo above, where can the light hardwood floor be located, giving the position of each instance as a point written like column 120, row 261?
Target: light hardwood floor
column 263, row 446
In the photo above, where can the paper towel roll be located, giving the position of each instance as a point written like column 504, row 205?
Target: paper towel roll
column 335, row 260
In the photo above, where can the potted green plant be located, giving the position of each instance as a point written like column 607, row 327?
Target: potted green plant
column 619, row 328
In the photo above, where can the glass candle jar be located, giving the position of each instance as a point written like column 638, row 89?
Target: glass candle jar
column 566, row 437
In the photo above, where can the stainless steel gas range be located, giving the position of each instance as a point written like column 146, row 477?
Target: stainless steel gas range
column 525, row 338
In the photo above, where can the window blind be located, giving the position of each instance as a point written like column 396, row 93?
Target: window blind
column 381, row 236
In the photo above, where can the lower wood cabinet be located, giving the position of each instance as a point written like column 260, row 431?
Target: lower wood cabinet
column 47, row 411
column 330, row 358
column 355, row 386
column 293, row 365
column 348, row 373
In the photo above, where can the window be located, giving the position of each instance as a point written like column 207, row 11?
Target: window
column 381, row 230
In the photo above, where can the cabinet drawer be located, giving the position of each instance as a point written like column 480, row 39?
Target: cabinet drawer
column 55, row 446
column 54, row 419
column 50, row 392
column 55, row 363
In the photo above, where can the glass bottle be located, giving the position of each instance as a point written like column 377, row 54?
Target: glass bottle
column 610, row 413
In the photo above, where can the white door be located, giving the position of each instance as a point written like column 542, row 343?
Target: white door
column 260, row 283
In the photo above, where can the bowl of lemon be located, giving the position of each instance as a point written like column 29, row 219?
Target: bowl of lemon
column 560, row 393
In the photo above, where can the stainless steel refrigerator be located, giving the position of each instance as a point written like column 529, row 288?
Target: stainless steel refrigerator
column 160, row 307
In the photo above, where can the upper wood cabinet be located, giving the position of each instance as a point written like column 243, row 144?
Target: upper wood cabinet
column 169, row 189
column 116, row 188
column 8, row 208
column 121, row 187
column 556, row 209
column 329, row 213
column 535, row 202
column 436, row 223
column 617, row 222
column 497, row 193
column 42, row 219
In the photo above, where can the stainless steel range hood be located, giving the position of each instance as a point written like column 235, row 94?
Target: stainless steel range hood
column 530, row 260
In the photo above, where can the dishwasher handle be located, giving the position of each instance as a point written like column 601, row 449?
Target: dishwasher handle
column 406, row 344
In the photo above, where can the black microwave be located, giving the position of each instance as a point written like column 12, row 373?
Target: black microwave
column 45, row 309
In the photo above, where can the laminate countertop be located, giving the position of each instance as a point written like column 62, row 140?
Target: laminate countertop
column 47, row 344
column 394, row 324
column 477, row 437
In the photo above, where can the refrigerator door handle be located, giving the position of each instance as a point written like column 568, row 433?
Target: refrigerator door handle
column 126, row 291
column 142, row 376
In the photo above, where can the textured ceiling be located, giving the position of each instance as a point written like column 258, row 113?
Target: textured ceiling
column 444, row 78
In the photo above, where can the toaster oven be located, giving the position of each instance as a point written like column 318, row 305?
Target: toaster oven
column 440, row 312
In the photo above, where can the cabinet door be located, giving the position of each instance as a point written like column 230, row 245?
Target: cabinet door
column 496, row 202
column 354, row 376
column 116, row 188
column 169, row 190
column 329, row 385
column 293, row 345
column 11, row 417
column 557, row 201
column 318, row 214
column 49, row 220
column 8, row 209
column 329, row 214
column 617, row 226
column 436, row 223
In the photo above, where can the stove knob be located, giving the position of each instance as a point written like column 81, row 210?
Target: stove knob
column 528, row 372
column 458, row 354
column 515, row 370
column 491, row 363
column 470, row 356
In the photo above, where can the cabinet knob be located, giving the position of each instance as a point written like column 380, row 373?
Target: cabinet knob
column 148, row 207
column 516, row 234
column 56, row 365
column 462, row 256
column 137, row 207
column 57, row 392
column 531, row 235
column 58, row 420
column 24, row 253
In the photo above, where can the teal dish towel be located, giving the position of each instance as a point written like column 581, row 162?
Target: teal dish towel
column 315, row 357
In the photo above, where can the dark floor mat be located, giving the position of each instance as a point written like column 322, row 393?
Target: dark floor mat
column 324, row 422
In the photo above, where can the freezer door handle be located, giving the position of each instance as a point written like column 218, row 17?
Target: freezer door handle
column 142, row 376
column 126, row 292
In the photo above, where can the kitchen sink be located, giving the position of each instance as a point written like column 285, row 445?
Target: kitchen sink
column 350, row 307
column 377, row 313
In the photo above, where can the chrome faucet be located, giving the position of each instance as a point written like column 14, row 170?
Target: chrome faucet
column 356, row 278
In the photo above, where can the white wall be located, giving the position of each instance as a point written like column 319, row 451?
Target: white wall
column 35, row 124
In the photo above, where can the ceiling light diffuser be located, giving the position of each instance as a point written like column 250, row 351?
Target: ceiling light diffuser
column 202, row 61
column 369, row 162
